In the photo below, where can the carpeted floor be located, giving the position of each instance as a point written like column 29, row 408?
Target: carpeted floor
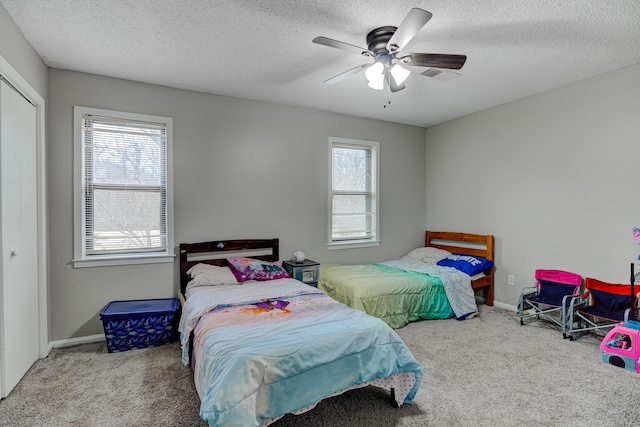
column 487, row 371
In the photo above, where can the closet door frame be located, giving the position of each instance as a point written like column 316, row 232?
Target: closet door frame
column 18, row 82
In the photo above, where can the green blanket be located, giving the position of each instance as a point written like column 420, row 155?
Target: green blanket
column 395, row 296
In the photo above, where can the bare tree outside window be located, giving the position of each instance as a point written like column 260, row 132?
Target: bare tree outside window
column 125, row 186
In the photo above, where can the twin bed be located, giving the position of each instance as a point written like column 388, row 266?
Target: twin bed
column 419, row 285
column 262, row 349
column 269, row 346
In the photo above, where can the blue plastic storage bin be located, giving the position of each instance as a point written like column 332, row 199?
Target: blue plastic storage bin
column 139, row 323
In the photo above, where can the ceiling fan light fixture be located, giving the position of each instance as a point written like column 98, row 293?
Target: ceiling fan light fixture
column 377, row 82
column 375, row 72
column 399, row 73
column 386, row 46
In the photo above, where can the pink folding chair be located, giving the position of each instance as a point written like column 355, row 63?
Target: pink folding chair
column 550, row 297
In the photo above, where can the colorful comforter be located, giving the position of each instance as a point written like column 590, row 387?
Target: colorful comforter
column 265, row 349
column 457, row 285
column 400, row 291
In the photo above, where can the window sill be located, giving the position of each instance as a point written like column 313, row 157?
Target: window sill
column 353, row 245
column 104, row 261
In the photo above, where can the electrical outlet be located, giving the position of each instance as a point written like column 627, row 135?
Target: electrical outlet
column 511, row 280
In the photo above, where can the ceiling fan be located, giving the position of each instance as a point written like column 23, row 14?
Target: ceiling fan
column 385, row 46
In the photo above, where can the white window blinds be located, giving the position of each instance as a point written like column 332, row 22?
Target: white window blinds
column 125, row 186
column 353, row 192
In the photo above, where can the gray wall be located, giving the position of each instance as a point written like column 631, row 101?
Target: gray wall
column 242, row 169
column 554, row 177
column 17, row 51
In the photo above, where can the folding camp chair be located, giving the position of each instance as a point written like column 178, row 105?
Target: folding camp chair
column 549, row 297
column 602, row 306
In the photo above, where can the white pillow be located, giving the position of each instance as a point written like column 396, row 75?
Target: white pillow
column 210, row 275
column 429, row 255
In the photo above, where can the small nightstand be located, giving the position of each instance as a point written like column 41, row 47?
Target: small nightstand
column 306, row 271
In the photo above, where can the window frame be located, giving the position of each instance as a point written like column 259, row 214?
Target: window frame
column 81, row 258
column 374, row 146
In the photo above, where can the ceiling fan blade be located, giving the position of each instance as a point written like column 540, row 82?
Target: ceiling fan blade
column 436, row 60
column 408, row 28
column 342, row 45
column 344, row 75
column 392, row 83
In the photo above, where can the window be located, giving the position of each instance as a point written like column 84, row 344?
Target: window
column 123, row 194
column 353, row 198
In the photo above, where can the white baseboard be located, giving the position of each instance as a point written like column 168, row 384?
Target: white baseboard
column 505, row 306
column 75, row 341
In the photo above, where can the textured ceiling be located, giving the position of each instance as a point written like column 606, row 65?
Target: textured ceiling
column 262, row 50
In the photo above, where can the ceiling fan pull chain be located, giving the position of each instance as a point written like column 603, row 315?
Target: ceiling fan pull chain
column 388, row 93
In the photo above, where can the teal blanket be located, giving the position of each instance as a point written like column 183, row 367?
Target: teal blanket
column 257, row 359
column 457, row 285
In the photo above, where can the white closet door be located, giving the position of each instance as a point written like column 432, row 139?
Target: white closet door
column 19, row 319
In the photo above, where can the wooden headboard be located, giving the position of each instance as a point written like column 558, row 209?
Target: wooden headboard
column 215, row 253
column 469, row 244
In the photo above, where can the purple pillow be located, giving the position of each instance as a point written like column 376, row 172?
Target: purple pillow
column 467, row 263
column 254, row 269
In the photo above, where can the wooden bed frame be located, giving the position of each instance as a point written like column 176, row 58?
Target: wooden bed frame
column 469, row 244
column 216, row 252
